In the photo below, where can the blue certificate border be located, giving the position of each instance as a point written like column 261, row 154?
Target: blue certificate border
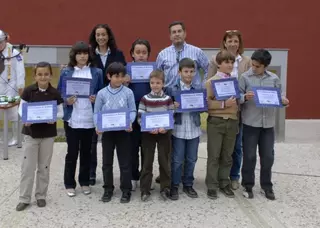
column 143, row 120
column 177, row 97
column 236, row 85
column 25, row 110
column 129, row 71
column 64, row 87
column 99, row 120
column 258, row 104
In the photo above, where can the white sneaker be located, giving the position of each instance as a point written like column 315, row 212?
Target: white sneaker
column 13, row 142
column 71, row 192
column 86, row 190
column 134, row 185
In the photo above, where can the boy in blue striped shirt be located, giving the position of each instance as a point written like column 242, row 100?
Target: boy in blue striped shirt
column 116, row 96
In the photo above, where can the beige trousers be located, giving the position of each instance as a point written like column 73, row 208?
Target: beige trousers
column 37, row 156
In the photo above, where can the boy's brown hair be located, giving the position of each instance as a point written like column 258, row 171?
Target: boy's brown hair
column 224, row 55
column 186, row 63
column 230, row 34
column 157, row 74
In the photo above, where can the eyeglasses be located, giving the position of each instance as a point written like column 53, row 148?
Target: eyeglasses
column 232, row 31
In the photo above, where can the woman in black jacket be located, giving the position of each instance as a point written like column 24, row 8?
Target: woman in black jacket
column 104, row 51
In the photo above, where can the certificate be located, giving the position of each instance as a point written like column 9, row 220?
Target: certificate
column 267, row 97
column 113, row 120
column 80, row 87
column 191, row 101
column 39, row 112
column 225, row 88
column 140, row 71
column 155, row 120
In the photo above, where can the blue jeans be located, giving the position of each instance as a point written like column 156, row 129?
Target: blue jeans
column 184, row 151
column 237, row 156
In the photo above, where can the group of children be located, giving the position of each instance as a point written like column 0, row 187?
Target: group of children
column 177, row 148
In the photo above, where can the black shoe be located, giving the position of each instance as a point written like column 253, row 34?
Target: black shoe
column 21, row 206
column 145, row 196
column 92, row 181
column 107, row 196
column 212, row 194
column 125, row 198
column 190, row 192
column 269, row 194
column 165, row 193
column 41, row 203
column 227, row 191
column 174, row 193
column 158, row 180
column 247, row 192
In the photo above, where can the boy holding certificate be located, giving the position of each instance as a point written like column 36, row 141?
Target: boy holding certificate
column 156, row 101
column 258, row 124
column 222, row 128
column 39, row 139
column 185, row 135
column 115, row 96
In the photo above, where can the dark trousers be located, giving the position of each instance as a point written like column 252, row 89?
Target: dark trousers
column 237, row 156
column 94, row 157
column 135, row 148
column 264, row 138
column 119, row 140
column 77, row 140
column 149, row 143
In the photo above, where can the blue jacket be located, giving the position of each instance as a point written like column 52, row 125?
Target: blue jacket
column 171, row 91
column 97, row 84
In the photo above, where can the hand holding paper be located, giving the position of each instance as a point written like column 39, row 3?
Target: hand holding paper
column 249, row 95
column 71, row 100
column 230, row 102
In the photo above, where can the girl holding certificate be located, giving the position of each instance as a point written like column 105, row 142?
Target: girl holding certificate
column 39, row 139
column 105, row 51
column 78, row 116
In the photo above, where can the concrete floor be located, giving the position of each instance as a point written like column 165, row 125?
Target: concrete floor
column 296, row 177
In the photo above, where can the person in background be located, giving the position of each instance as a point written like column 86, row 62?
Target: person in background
column 39, row 139
column 12, row 80
column 233, row 42
column 104, row 51
column 78, row 118
column 140, row 52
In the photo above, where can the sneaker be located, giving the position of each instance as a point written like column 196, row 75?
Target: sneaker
column 174, row 193
column 227, row 191
column 134, row 185
column 212, row 194
column 125, row 198
column 86, row 190
column 190, row 192
column 71, row 192
column 165, row 193
column 235, row 184
column 92, row 181
column 145, row 196
column 107, row 196
column 21, row 206
column 247, row 192
column 41, row 203
column 269, row 194
column 158, row 180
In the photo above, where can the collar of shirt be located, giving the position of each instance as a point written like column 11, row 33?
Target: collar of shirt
column 114, row 90
column 83, row 68
column 265, row 74
column 157, row 94
column 184, row 86
column 222, row 75
column 105, row 54
column 238, row 58
column 183, row 47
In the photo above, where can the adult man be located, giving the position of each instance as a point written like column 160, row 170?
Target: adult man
column 12, row 79
column 168, row 59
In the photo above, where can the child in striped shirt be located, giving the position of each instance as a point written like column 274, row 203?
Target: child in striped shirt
column 156, row 101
